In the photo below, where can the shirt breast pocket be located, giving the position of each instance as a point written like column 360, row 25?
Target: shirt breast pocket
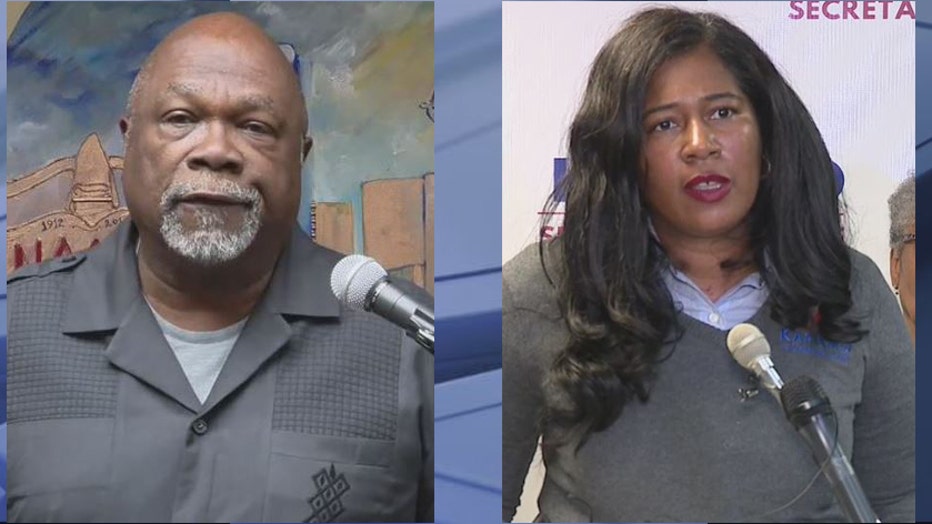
column 331, row 479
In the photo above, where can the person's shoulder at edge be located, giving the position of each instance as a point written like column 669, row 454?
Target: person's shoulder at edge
column 303, row 245
column 874, row 305
column 46, row 268
column 867, row 283
column 533, row 329
column 527, row 285
column 65, row 266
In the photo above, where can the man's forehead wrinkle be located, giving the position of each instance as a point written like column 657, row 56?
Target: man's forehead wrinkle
column 182, row 89
column 188, row 54
column 253, row 100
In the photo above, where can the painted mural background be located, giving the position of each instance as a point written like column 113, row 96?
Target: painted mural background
column 367, row 74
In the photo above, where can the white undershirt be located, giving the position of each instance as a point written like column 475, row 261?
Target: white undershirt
column 200, row 353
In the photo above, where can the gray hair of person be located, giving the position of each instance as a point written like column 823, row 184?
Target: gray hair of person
column 902, row 212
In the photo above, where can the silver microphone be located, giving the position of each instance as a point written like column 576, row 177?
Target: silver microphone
column 750, row 348
column 360, row 283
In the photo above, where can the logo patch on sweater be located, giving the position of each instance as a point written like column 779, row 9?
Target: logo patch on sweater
column 803, row 342
column 325, row 502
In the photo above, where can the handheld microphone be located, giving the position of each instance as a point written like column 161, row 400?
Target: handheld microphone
column 750, row 348
column 808, row 409
column 360, row 283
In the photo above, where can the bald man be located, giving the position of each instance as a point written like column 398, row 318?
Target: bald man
column 195, row 366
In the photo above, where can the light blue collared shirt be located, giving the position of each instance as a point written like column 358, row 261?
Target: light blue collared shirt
column 734, row 307
column 738, row 305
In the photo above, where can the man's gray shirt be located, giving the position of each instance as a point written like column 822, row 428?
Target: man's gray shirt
column 319, row 414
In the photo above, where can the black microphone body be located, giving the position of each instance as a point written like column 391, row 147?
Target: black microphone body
column 809, row 410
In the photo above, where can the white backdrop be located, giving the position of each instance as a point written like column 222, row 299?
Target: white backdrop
column 857, row 77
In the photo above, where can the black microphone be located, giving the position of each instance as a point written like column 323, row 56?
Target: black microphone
column 809, row 410
column 360, row 283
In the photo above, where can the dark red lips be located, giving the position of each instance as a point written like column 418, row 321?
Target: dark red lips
column 709, row 188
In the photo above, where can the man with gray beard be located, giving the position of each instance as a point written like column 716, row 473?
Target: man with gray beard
column 195, row 366
column 208, row 242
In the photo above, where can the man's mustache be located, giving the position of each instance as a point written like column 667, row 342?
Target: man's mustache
column 210, row 184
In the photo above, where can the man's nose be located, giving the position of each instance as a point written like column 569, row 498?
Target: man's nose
column 217, row 151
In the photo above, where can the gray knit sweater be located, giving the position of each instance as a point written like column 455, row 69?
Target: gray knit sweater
column 695, row 451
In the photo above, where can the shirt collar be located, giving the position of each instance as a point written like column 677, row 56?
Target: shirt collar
column 301, row 282
column 754, row 280
column 107, row 283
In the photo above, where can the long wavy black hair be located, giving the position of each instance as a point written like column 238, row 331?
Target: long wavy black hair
column 614, row 302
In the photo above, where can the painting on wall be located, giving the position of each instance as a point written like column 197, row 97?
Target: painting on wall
column 366, row 70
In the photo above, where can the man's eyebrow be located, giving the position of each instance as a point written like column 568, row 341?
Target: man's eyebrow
column 258, row 102
column 709, row 98
column 247, row 103
column 185, row 90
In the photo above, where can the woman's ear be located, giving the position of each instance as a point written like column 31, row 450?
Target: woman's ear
column 895, row 269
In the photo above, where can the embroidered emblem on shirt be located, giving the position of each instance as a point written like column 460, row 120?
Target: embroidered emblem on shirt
column 325, row 503
column 804, row 342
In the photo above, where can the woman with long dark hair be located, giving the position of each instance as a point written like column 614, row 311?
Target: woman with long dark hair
column 699, row 195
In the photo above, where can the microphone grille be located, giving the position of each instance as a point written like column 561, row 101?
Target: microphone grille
column 746, row 344
column 803, row 397
column 800, row 390
column 352, row 279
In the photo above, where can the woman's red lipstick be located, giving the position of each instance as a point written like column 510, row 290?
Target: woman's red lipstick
column 708, row 188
